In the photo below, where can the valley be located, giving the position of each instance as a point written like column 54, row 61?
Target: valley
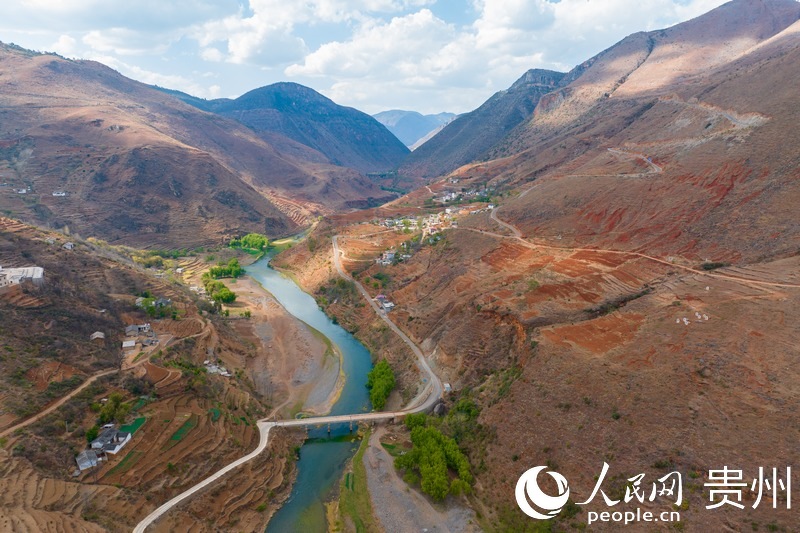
column 274, row 312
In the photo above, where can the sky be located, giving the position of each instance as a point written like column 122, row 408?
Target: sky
column 423, row 55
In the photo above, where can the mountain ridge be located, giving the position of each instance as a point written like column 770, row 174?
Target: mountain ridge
column 83, row 128
column 346, row 136
column 469, row 136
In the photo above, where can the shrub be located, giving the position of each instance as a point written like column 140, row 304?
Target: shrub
column 380, row 382
column 432, row 456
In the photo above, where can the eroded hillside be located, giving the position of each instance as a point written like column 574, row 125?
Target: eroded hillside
column 59, row 376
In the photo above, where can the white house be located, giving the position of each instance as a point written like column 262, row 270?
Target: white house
column 15, row 276
column 111, row 440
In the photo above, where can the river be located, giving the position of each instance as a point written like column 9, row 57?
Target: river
column 322, row 457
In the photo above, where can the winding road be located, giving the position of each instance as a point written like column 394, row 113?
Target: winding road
column 422, row 402
column 432, row 392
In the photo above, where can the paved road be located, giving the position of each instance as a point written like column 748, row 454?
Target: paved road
column 423, row 402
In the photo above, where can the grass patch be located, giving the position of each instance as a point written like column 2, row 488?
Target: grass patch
column 354, row 499
column 394, row 449
column 181, row 432
column 127, row 462
column 134, row 426
column 141, row 402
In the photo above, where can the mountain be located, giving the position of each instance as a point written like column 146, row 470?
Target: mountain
column 666, row 142
column 630, row 300
column 347, row 137
column 471, row 135
column 140, row 166
column 93, row 288
column 410, row 127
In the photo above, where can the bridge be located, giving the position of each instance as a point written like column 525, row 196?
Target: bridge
column 424, row 401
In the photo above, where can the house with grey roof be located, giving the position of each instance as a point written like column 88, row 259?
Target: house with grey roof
column 111, row 441
column 87, row 459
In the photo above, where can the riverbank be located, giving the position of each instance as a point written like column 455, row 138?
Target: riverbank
column 295, row 365
column 398, row 507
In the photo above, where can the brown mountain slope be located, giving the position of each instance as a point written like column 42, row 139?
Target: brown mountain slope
column 140, row 165
column 702, row 165
column 47, row 355
column 580, row 353
column 472, row 134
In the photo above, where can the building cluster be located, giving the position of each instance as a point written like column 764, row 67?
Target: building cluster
column 15, row 276
column 109, row 441
column 453, row 196
column 213, row 368
column 139, row 333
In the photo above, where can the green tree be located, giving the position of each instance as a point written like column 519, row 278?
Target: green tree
column 92, row 433
column 224, row 295
column 432, row 456
column 255, row 241
column 380, row 382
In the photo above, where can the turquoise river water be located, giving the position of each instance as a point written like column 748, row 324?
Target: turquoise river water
column 323, row 456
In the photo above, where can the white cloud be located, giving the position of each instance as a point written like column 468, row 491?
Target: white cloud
column 126, row 42
column 65, row 45
column 374, row 54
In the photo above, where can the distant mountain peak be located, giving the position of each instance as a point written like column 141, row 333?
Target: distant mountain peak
column 411, row 126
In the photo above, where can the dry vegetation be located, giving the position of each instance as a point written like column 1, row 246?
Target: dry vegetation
column 194, row 422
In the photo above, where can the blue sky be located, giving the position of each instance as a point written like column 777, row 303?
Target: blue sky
column 423, row 55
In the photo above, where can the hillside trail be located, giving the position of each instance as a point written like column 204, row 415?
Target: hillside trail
column 58, row 403
column 50, row 408
column 517, row 235
column 648, row 160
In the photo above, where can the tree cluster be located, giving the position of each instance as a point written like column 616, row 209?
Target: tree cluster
column 219, row 292
column 232, row 270
column 431, row 460
column 380, row 382
column 114, row 410
column 251, row 241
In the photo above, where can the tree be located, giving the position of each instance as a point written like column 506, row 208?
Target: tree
column 433, row 454
column 92, row 433
column 251, row 241
column 224, row 295
column 114, row 409
column 380, row 382
column 232, row 270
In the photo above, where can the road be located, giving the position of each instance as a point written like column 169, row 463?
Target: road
column 422, row 362
column 517, row 235
column 655, row 168
column 422, row 402
column 58, row 403
column 64, row 399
